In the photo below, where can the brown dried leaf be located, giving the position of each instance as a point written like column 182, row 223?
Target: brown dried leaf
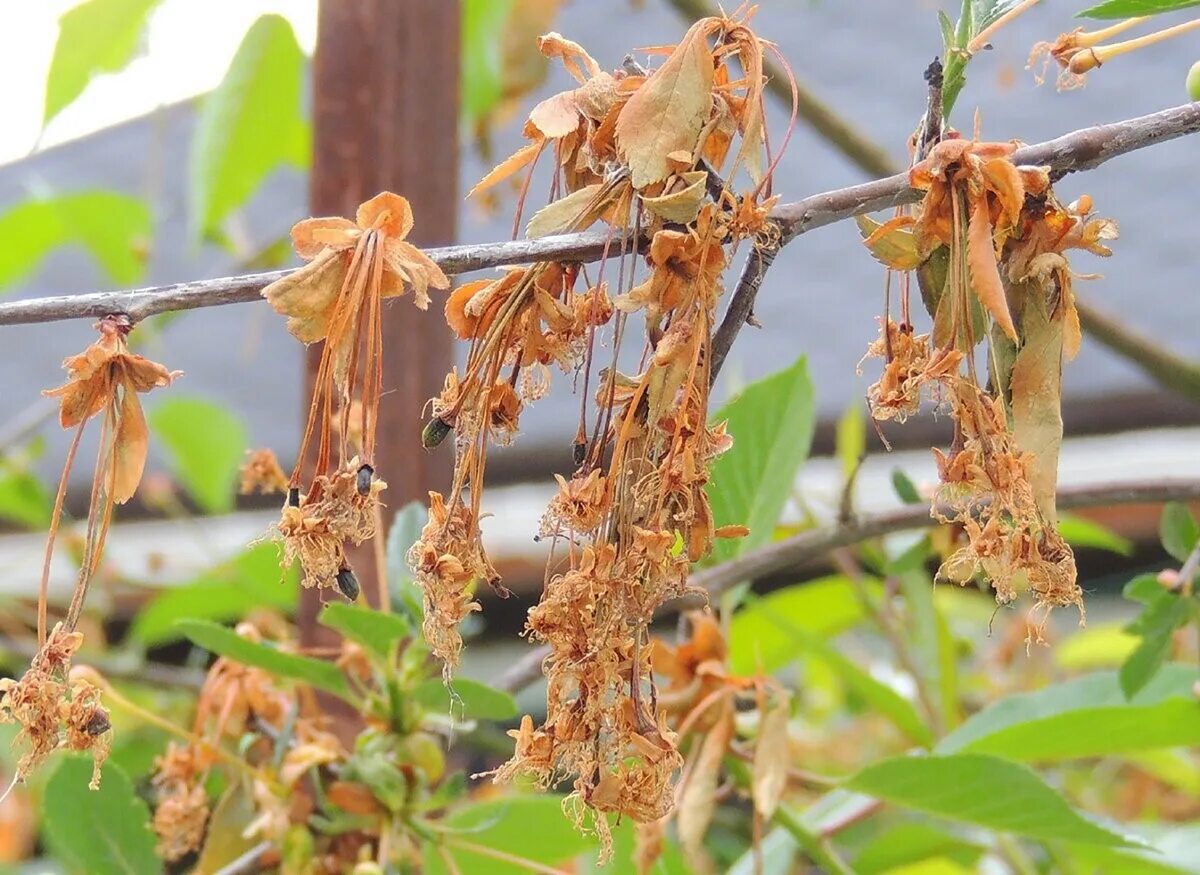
column 771, row 758
column 506, row 168
column 668, row 112
column 308, row 295
column 698, row 801
column 130, row 445
column 985, row 275
column 1037, row 398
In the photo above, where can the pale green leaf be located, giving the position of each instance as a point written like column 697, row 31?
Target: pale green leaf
column 1134, row 8
column 377, row 631
column 206, row 444
column 1178, row 530
column 762, row 634
column 772, row 424
column 482, row 85
column 983, row 790
column 1103, row 645
column 1084, row 717
column 1081, row 532
column 226, row 642
column 405, row 530
column 99, row 36
column 97, row 832
column 466, row 698
column 24, row 499
column 528, row 827
column 908, row 843
column 114, row 228
column 227, row 591
column 252, row 124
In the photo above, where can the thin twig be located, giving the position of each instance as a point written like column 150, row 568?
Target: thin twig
column 1168, row 368
column 799, row 550
column 1080, row 150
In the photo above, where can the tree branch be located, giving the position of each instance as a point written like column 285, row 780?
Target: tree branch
column 1168, row 368
column 799, row 550
column 1080, row 150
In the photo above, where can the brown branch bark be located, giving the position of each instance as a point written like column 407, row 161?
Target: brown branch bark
column 1080, row 150
column 799, row 550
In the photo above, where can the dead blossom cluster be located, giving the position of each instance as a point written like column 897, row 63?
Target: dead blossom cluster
column 987, row 244
column 630, row 149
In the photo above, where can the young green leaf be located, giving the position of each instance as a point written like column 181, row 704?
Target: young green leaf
column 762, row 634
column 906, row 491
column 24, row 499
column 97, row 832
column 772, row 422
column 527, row 827
column 1132, row 8
column 472, row 700
column 114, row 228
column 252, row 124
column 482, row 85
column 226, row 642
column 1084, row 717
column 405, row 530
column 983, row 790
column 1178, row 530
column 908, row 843
column 377, row 631
column 1156, row 626
column 227, row 591
column 206, row 444
column 99, row 36
column 1082, row 532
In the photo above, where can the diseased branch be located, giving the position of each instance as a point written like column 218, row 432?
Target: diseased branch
column 1079, row 150
column 800, row 550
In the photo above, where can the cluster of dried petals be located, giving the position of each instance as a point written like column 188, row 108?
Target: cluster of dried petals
column 262, row 473
column 445, row 560
column 909, row 367
column 1061, row 52
column 181, row 805
column 54, row 710
column 339, row 508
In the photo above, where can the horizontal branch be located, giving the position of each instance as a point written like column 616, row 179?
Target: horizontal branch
column 1080, row 150
column 798, row 551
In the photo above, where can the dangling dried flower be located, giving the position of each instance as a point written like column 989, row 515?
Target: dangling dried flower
column 181, row 810
column 53, row 709
column 262, row 473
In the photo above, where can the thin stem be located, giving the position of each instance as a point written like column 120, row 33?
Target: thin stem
column 819, row 849
column 1103, row 53
column 55, row 520
column 985, row 36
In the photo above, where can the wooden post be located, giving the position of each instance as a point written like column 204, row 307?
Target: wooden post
column 385, row 117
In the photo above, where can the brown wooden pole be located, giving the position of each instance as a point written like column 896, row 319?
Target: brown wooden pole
column 385, row 117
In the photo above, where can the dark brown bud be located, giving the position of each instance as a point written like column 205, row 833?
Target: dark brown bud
column 435, row 432
column 363, row 484
column 348, row 584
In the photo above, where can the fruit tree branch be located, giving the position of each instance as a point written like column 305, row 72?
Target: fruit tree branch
column 1080, row 150
column 799, row 550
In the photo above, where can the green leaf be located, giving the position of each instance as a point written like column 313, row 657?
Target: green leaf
column 762, row 633
column 1132, row 8
column 1178, row 530
column 1156, row 625
column 99, row 36
column 530, row 827
column 772, row 424
column 114, row 228
column 97, row 832
column 1103, row 645
column 1085, row 717
column 851, row 440
column 1081, row 532
column 472, row 699
column 906, row 491
column 405, row 530
column 482, row 55
column 24, row 500
column 983, row 790
column 226, row 642
column 206, row 444
column 908, row 843
column 377, row 631
column 252, row 124
column 225, row 592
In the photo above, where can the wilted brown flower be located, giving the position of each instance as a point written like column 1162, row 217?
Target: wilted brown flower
column 262, row 473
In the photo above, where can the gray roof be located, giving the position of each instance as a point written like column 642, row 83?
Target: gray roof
column 824, row 293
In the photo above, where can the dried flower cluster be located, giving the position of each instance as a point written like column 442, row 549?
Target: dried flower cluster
column 640, row 151
column 55, row 710
column 988, row 243
column 337, row 297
